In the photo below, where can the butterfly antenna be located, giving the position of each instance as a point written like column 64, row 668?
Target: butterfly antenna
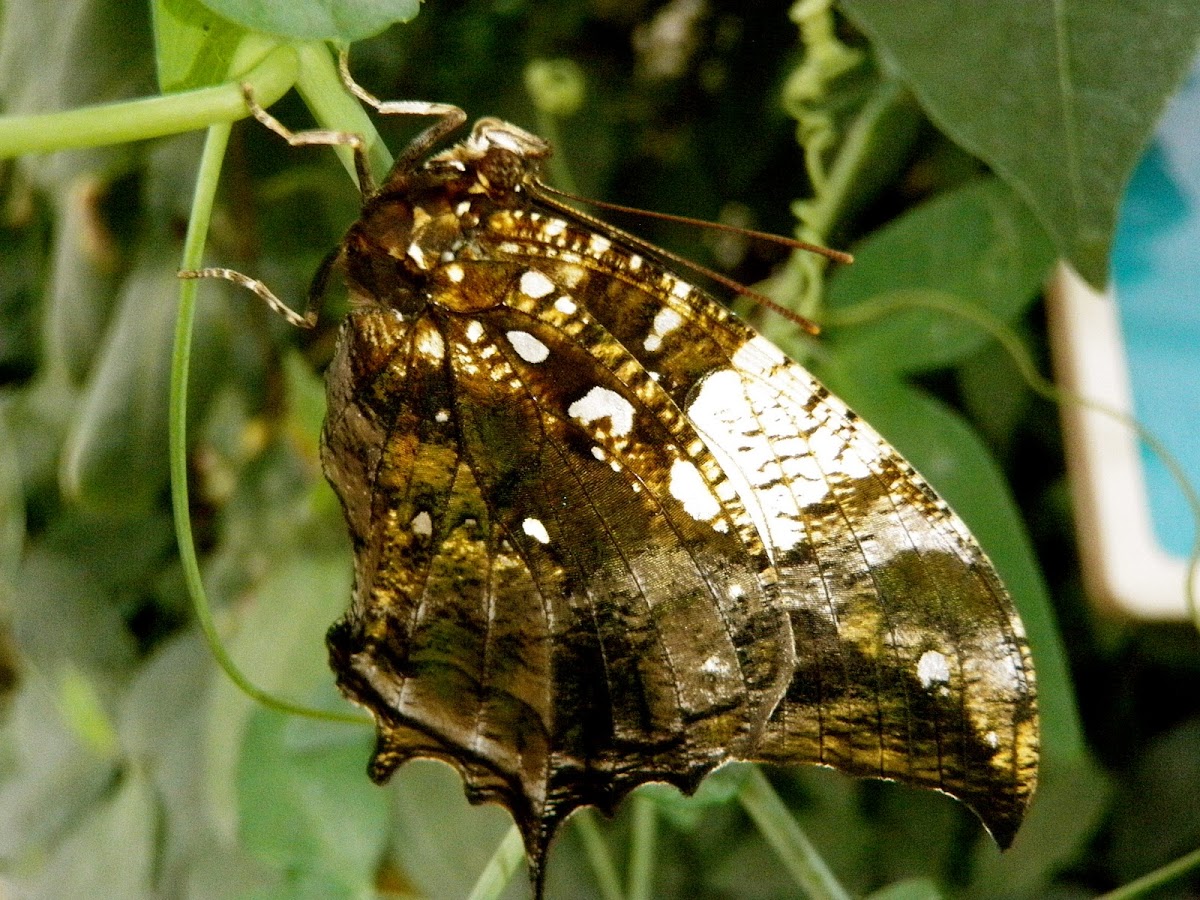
column 552, row 195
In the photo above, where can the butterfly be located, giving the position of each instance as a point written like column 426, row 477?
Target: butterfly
column 605, row 534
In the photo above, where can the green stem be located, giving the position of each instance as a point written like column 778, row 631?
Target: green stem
column 641, row 849
column 193, row 251
column 1144, row 886
column 781, row 831
column 137, row 120
column 500, row 868
column 598, row 855
column 823, row 212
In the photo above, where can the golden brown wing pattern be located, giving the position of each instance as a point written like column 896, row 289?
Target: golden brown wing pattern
column 605, row 534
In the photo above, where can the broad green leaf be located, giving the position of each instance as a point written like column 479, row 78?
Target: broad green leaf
column 909, row 889
column 1158, row 798
column 280, row 647
column 116, row 452
column 310, row 810
column 73, row 584
column 82, row 281
column 995, row 395
column 960, row 468
column 115, row 455
column 429, row 805
column 12, row 516
column 975, row 248
column 50, row 778
column 193, row 45
column 110, row 852
column 23, row 261
column 59, row 55
column 1058, row 98
column 317, row 20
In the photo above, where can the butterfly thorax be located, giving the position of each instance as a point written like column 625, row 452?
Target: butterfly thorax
column 415, row 234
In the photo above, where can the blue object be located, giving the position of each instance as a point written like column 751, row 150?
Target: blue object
column 1156, row 279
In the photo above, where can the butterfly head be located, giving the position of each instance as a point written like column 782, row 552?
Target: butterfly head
column 497, row 154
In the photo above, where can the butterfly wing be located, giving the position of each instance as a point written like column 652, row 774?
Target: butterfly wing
column 604, row 534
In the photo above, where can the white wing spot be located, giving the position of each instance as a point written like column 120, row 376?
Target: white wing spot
column 463, row 208
column 571, row 276
column 455, row 272
column 666, row 321
column 932, row 668
column 566, row 306
column 681, row 289
column 555, row 227
column 528, row 347
column 534, row 284
column 689, row 488
column 993, row 739
column 474, row 331
column 600, row 244
column 536, row 530
column 598, row 452
column 430, row 343
column 422, row 524
column 714, row 665
column 599, row 403
column 635, row 262
column 442, row 415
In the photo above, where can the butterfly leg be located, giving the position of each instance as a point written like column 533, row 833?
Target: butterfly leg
column 317, row 137
column 308, row 320
column 449, row 117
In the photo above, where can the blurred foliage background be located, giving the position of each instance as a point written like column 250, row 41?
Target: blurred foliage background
column 957, row 148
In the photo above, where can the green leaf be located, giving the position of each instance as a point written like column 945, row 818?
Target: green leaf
column 51, row 779
column 429, row 805
column 317, row 20
column 116, row 452
column 1058, row 98
column 193, row 45
column 12, row 516
column 83, row 278
column 909, row 889
column 310, row 810
column 279, row 646
column 111, row 851
column 974, row 248
column 59, row 55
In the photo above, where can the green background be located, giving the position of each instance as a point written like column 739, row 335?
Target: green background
column 957, row 148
